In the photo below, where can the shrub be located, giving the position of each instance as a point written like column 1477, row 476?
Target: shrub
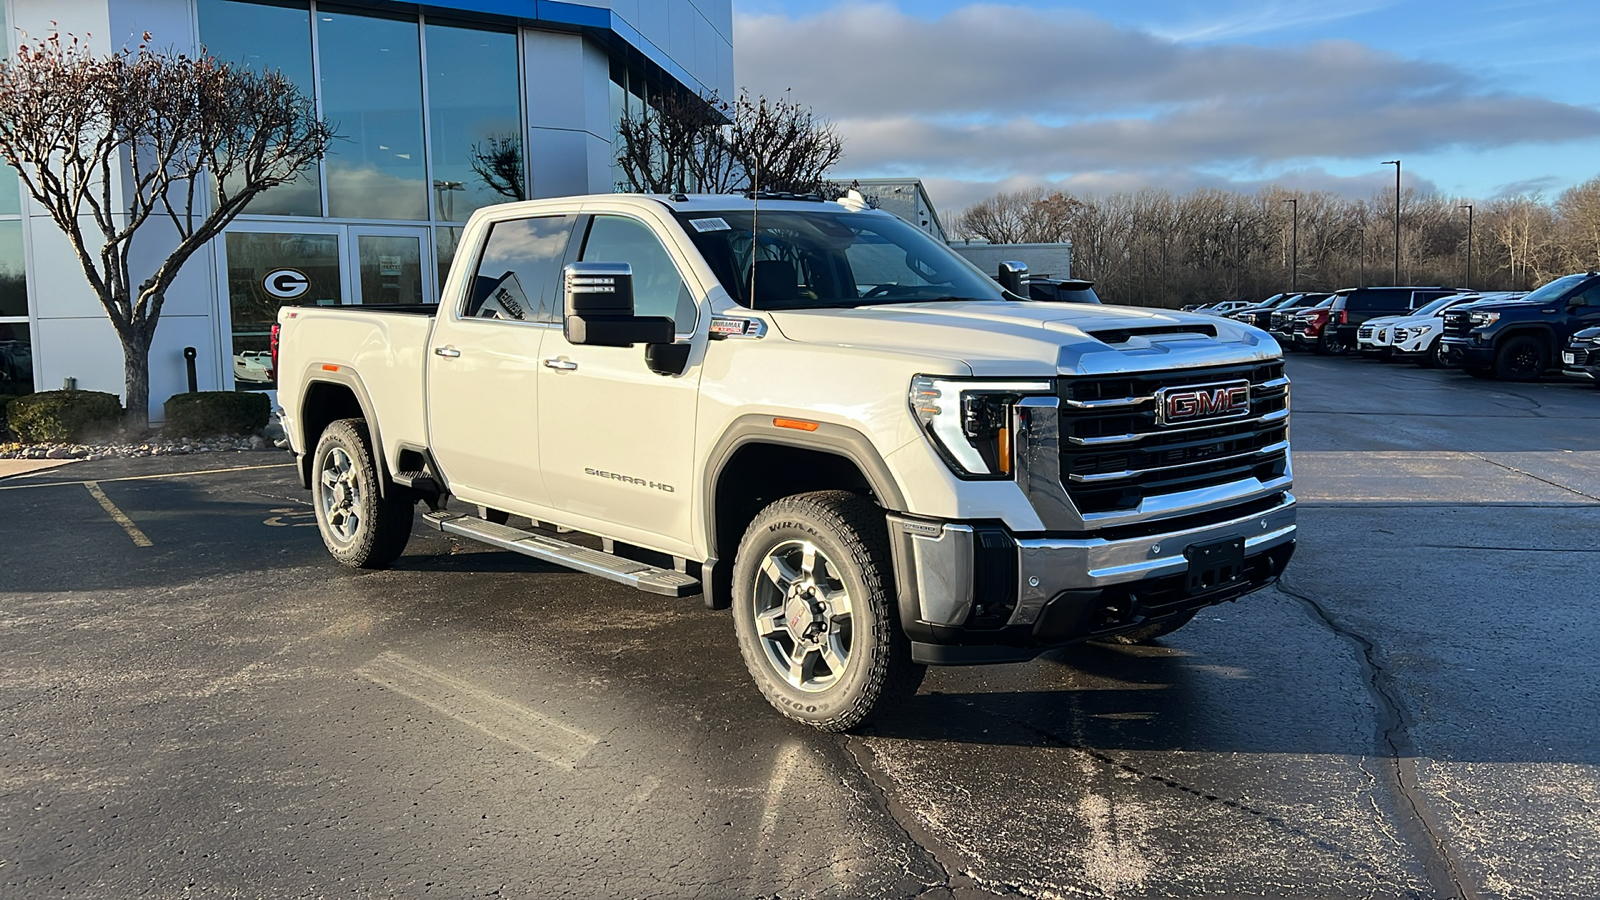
column 63, row 415
column 207, row 413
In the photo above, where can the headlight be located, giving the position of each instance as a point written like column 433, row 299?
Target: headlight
column 969, row 420
column 1483, row 318
column 1419, row 330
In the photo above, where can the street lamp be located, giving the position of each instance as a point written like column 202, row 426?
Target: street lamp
column 1396, row 164
column 445, row 192
column 1468, row 208
column 1294, row 264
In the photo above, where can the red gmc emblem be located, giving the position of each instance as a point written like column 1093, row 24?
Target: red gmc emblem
column 1183, row 405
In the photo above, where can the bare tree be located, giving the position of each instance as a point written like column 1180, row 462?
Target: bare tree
column 117, row 141
column 683, row 143
column 1579, row 207
column 497, row 161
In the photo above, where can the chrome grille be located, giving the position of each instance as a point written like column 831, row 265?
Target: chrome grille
column 1113, row 454
column 1456, row 325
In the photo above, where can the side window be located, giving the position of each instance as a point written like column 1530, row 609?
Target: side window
column 518, row 273
column 658, row 289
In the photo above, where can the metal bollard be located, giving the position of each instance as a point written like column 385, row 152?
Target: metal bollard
column 189, row 354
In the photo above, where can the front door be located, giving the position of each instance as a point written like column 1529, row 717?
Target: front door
column 392, row 265
column 616, row 439
column 484, row 365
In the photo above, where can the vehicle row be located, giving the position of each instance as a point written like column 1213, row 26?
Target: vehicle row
column 1505, row 335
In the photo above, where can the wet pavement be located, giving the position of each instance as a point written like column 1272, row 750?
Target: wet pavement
column 222, row 711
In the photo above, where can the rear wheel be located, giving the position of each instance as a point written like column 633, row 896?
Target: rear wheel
column 1521, row 359
column 361, row 528
column 1332, row 344
column 814, row 611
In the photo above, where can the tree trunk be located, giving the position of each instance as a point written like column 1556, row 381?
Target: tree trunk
column 136, row 375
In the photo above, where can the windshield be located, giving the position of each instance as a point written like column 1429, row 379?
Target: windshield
column 1556, row 288
column 1438, row 305
column 814, row 260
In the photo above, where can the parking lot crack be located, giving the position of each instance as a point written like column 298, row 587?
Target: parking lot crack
column 1523, row 472
column 1418, row 825
column 957, row 881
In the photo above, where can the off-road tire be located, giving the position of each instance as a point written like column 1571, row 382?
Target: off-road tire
column 382, row 525
column 1150, row 632
column 1521, row 358
column 850, row 533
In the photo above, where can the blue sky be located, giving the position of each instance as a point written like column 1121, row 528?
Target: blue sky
column 1479, row 98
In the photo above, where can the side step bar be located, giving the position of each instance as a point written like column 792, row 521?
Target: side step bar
column 592, row 562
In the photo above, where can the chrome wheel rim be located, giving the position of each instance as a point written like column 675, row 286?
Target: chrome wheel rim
column 339, row 495
column 804, row 616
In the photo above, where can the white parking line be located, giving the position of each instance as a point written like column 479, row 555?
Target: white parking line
column 117, row 515
column 44, row 484
column 555, row 742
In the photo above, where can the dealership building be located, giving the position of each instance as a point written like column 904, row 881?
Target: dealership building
column 439, row 108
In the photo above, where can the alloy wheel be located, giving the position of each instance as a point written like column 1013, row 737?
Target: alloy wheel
column 803, row 616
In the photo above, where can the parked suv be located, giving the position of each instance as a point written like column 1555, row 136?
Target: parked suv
column 1353, row 306
column 1416, row 337
column 1518, row 340
column 1261, row 316
column 1581, row 359
column 1285, row 322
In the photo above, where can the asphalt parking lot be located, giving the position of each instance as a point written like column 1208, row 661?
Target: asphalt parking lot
column 195, row 700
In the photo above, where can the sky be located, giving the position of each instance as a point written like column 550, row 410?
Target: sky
column 1477, row 98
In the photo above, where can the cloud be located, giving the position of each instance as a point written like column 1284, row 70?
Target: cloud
column 1527, row 186
column 990, row 92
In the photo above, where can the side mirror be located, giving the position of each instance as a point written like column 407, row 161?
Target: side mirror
column 1579, row 301
column 598, row 308
column 1012, row 275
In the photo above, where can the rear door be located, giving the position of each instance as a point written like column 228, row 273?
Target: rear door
column 484, row 363
column 617, row 442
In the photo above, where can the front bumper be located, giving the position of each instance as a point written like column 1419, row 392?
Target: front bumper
column 977, row 594
column 1581, row 362
column 1467, row 353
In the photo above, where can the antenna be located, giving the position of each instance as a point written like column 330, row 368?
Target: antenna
column 755, row 218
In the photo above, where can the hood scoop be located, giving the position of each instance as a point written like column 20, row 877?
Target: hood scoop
column 1123, row 335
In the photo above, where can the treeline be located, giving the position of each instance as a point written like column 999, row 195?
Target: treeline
column 1154, row 248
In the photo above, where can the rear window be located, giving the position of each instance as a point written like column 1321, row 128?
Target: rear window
column 517, row 275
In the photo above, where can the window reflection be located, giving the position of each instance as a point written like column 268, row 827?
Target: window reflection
column 16, row 360
column 390, row 269
column 445, row 241
column 372, row 93
column 263, row 37
column 265, row 272
column 658, row 289
column 474, row 120
column 13, row 271
column 518, row 274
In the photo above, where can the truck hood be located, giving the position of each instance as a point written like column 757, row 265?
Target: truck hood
column 997, row 337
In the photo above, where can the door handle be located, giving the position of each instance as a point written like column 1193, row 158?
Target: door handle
column 562, row 363
column 446, row 351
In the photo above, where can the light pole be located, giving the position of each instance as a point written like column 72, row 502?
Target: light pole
column 1468, row 208
column 1294, row 252
column 1396, row 164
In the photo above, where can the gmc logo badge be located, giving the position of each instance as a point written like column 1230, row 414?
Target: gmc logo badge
column 1182, row 405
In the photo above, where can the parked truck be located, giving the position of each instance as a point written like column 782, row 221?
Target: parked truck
column 814, row 413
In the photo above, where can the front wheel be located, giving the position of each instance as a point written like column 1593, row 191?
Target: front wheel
column 814, row 611
column 1332, row 345
column 1433, row 357
column 1522, row 358
column 362, row 528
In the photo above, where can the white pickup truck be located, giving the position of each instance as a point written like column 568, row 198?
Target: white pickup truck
column 878, row 455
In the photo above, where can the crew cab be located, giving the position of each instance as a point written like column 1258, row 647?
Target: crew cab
column 809, row 411
column 1518, row 340
column 1284, row 323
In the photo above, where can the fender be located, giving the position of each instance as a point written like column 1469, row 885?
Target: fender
column 344, row 377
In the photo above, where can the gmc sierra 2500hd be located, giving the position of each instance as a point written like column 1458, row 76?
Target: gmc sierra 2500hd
column 880, row 457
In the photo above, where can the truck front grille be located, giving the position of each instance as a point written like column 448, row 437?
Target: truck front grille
column 1456, row 325
column 1113, row 454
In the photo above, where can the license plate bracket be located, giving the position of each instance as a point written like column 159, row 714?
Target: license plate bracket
column 1214, row 564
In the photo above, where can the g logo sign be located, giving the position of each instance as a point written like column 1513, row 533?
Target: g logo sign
column 286, row 284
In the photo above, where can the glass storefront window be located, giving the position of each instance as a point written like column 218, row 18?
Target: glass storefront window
column 372, row 94
column 474, row 120
column 16, row 360
column 445, row 241
column 267, row 271
column 263, row 36
column 390, row 269
column 13, row 271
